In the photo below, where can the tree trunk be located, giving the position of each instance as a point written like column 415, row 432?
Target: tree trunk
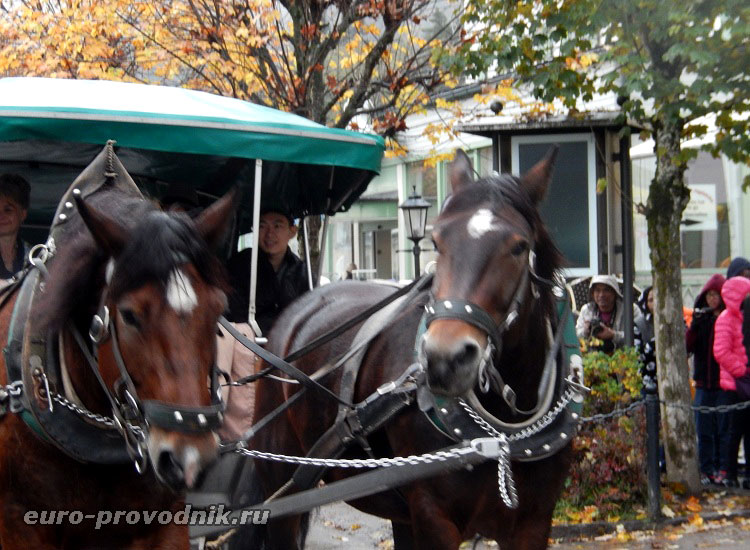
column 668, row 197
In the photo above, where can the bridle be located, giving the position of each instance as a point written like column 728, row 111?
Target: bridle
column 133, row 416
column 489, row 375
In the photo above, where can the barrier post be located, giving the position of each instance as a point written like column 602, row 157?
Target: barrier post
column 652, row 448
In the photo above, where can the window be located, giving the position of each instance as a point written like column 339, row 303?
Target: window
column 704, row 232
column 569, row 209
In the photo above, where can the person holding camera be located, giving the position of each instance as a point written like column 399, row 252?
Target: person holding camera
column 712, row 427
column 601, row 323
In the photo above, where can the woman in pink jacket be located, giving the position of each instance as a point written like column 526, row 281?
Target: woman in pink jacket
column 733, row 363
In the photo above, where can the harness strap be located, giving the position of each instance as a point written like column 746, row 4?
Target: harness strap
column 465, row 311
column 341, row 329
column 167, row 415
column 290, row 370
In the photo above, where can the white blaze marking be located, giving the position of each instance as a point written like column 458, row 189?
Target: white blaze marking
column 180, row 293
column 480, row 223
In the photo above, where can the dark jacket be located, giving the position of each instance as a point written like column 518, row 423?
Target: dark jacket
column 22, row 251
column 644, row 336
column 700, row 338
column 275, row 290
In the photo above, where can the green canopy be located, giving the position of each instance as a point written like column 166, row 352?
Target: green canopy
column 51, row 128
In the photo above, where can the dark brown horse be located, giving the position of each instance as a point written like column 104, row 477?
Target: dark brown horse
column 493, row 253
column 154, row 276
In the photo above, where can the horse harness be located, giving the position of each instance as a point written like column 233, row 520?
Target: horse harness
column 35, row 368
column 554, row 420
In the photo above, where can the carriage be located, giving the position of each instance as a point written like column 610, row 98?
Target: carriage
column 52, row 130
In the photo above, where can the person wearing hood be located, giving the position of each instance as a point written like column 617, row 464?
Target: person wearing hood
column 739, row 267
column 713, row 428
column 602, row 321
column 732, row 356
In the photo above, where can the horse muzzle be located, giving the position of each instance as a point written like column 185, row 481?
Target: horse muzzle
column 452, row 364
column 180, row 459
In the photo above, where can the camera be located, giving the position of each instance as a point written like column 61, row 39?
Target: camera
column 596, row 327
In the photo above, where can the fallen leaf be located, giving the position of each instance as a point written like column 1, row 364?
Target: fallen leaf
column 696, row 520
column 693, row 505
column 667, row 511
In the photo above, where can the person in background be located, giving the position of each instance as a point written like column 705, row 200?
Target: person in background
column 14, row 205
column 644, row 339
column 713, row 428
column 644, row 336
column 732, row 356
column 350, row 271
column 601, row 322
column 739, row 267
column 282, row 276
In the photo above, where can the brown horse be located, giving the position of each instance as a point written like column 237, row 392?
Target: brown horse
column 154, row 277
column 494, row 256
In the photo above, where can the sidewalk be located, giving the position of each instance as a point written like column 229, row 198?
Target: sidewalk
column 721, row 519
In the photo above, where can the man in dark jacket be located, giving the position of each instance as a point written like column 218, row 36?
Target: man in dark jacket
column 711, row 427
column 282, row 276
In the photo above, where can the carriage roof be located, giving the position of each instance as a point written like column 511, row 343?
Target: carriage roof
column 50, row 129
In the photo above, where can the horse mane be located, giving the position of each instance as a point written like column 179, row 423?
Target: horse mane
column 158, row 243
column 499, row 190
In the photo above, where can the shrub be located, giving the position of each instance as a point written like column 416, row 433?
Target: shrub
column 608, row 475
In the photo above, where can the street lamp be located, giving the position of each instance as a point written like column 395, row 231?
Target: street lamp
column 415, row 212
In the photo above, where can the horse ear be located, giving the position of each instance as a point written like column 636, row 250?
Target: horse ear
column 213, row 221
column 108, row 233
column 537, row 179
column 461, row 171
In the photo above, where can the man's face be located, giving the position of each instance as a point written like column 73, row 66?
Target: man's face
column 11, row 217
column 604, row 297
column 275, row 233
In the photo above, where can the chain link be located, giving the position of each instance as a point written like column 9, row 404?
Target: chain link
column 615, row 413
column 104, row 420
column 13, row 390
column 440, row 456
column 505, row 482
column 706, row 409
column 703, row 409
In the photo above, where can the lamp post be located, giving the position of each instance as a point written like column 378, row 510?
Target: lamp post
column 415, row 212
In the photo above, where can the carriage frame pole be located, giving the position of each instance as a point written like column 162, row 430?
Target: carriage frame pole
column 256, row 243
column 626, row 205
column 307, row 254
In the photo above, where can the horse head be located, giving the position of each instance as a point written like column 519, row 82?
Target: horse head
column 491, row 245
column 163, row 295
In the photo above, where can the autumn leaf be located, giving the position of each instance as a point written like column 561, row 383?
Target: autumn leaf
column 693, row 504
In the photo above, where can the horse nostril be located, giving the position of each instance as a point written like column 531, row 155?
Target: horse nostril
column 169, row 468
column 467, row 353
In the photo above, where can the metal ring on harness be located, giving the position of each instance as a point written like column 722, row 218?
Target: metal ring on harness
column 98, row 331
column 38, row 256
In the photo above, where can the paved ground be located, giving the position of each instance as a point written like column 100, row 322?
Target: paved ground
column 339, row 526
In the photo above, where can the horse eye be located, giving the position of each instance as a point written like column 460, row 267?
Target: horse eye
column 130, row 318
column 519, row 248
